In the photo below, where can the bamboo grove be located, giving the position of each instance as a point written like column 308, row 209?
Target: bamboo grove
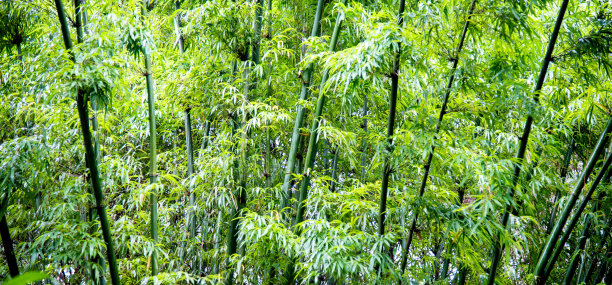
column 305, row 142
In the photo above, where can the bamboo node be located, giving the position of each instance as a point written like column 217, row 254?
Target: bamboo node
column 98, row 207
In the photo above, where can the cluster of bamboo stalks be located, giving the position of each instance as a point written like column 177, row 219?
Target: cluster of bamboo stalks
column 295, row 213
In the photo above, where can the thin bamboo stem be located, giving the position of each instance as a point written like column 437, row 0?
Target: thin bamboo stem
column 386, row 168
column 90, row 155
column 497, row 247
column 7, row 243
column 552, row 240
column 300, row 114
column 427, row 164
column 574, row 221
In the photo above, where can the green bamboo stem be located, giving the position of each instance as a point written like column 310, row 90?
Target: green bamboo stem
column 334, row 174
column 240, row 165
column 574, row 221
column 427, row 164
column 386, row 168
column 80, row 24
column 217, row 243
column 257, row 29
column 299, row 119
column 177, row 27
column 566, row 162
column 7, row 243
column 571, row 269
column 188, row 136
column 364, row 142
column 554, row 236
column 232, row 236
column 497, row 247
column 154, row 223
column 268, row 155
column 314, row 130
column 268, row 140
column 190, row 171
column 240, row 195
column 313, row 140
column 268, row 160
column 90, row 155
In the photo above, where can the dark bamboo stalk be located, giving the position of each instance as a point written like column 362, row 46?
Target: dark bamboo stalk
column 568, row 230
column 268, row 160
column 190, row 171
column 217, row 243
column 364, row 142
column 427, row 164
column 154, row 223
column 571, row 269
column 240, row 184
column 566, row 162
column 497, row 247
column 188, row 136
column 90, row 155
column 386, row 169
column 80, row 24
column 300, row 114
column 554, row 236
column 7, row 243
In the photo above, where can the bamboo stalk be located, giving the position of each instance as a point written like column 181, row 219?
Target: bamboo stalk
column 566, row 162
column 314, row 130
column 80, row 24
column 364, row 142
column 7, row 243
column 571, row 269
column 552, row 240
column 154, row 223
column 497, row 247
column 90, row 155
column 188, row 135
column 568, row 230
column 313, row 139
column 427, row 164
column 334, row 174
column 300, row 114
column 386, row 168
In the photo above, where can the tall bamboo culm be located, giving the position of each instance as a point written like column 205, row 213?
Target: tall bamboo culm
column 299, row 119
column 562, row 219
column 427, row 164
column 5, row 234
column 520, row 155
column 311, row 153
column 573, row 222
column 191, row 223
column 7, row 243
column 386, row 168
column 154, row 223
column 82, row 108
column 80, row 25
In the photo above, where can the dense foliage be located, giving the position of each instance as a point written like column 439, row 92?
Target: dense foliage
column 306, row 141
